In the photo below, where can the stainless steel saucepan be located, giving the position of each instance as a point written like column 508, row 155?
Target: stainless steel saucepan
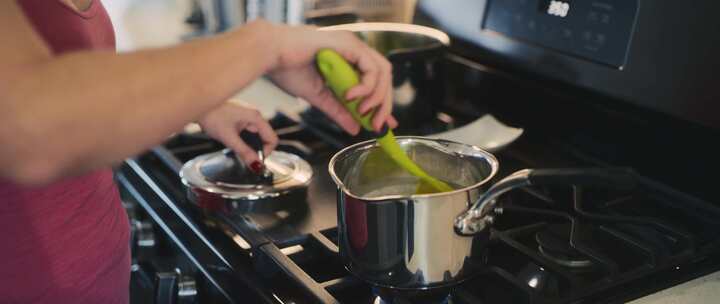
column 393, row 238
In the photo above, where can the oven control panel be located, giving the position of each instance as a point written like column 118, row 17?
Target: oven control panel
column 595, row 30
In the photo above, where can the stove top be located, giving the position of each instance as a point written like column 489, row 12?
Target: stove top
column 552, row 245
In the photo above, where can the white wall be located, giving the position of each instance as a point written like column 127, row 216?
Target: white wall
column 148, row 23
column 155, row 23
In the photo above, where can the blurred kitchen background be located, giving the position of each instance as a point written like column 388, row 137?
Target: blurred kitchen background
column 569, row 90
column 164, row 22
column 157, row 23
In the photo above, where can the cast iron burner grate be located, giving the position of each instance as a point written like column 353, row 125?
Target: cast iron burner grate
column 573, row 243
column 554, row 244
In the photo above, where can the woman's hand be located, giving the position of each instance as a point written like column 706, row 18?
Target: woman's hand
column 227, row 121
column 295, row 72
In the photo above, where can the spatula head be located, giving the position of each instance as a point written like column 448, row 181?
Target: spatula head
column 393, row 150
column 425, row 188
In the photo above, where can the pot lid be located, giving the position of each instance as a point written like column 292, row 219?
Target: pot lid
column 221, row 173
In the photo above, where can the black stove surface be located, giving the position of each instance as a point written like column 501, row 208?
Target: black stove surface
column 549, row 245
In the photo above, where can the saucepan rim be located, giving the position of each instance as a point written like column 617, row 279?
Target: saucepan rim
column 406, row 28
column 368, row 144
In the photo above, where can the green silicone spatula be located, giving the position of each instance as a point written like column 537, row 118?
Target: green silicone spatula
column 340, row 76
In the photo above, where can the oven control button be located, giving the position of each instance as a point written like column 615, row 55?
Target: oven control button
column 600, row 38
column 593, row 17
column 605, row 19
column 532, row 25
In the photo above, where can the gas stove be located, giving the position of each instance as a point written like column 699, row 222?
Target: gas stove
column 553, row 245
column 560, row 244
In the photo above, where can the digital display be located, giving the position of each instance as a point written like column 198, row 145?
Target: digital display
column 595, row 30
column 559, row 8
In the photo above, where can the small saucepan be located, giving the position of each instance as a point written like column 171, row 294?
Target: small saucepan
column 219, row 181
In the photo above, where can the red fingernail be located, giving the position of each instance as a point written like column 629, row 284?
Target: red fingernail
column 256, row 167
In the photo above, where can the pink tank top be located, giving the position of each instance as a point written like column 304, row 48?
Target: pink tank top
column 67, row 242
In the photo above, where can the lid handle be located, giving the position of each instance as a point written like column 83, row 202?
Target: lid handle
column 252, row 139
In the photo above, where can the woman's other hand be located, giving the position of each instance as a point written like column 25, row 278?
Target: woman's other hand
column 227, row 121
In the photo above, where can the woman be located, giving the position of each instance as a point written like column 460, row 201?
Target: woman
column 70, row 107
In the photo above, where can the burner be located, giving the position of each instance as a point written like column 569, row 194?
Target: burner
column 538, row 278
column 379, row 300
column 554, row 244
column 431, row 296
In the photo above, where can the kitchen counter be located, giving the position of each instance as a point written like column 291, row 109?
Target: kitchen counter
column 699, row 291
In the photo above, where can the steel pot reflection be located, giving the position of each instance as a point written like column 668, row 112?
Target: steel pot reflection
column 393, row 238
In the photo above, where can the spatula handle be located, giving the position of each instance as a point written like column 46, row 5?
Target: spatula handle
column 340, row 76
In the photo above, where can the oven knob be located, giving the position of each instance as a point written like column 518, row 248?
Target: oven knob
column 166, row 287
column 186, row 290
column 175, row 288
column 144, row 234
column 142, row 240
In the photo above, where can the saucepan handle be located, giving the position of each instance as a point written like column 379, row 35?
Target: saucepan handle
column 476, row 218
column 612, row 178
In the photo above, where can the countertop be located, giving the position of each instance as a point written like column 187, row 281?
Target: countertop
column 699, row 291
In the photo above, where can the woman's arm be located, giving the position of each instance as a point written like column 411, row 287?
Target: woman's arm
column 63, row 115
column 66, row 114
